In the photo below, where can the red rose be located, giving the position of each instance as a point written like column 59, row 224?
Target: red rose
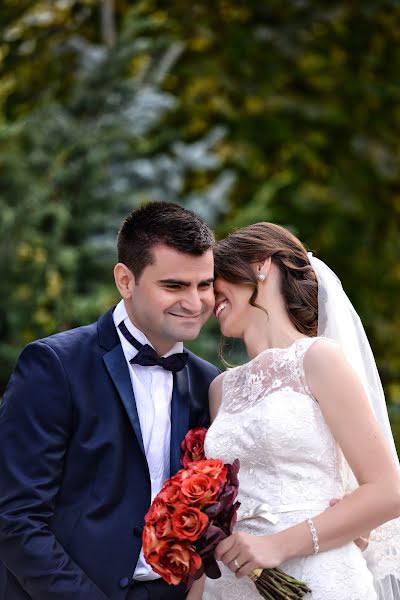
column 175, row 562
column 199, row 490
column 188, row 522
column 213, row 468
column 176, row 479
column 156, row 510
column 169, row 493
column 193, row 445
column 159, row 516
column 149, row 539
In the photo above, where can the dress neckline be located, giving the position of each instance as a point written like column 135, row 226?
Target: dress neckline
column 277, row 348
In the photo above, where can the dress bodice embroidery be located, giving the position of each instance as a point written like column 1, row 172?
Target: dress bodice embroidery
column 269, row 419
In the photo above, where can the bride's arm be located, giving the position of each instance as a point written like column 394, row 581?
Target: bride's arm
column 215, row 395
column 196, row 591
column 347, row 412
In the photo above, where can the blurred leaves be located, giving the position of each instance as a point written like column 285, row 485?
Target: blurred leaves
column 72, row 168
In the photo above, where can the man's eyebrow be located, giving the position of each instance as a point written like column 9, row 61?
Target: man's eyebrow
column 184, row 283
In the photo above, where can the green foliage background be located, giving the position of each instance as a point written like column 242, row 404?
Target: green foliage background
column 289, row 112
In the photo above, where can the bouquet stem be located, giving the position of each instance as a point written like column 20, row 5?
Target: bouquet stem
column 274, row 584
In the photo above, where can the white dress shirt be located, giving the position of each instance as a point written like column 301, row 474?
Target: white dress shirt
column 152, row 387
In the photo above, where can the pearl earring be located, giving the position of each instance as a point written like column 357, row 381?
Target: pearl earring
column 261, row 276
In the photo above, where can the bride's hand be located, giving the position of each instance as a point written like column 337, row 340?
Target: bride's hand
column 242, row 553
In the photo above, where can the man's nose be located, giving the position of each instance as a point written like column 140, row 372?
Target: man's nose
column 192, row 301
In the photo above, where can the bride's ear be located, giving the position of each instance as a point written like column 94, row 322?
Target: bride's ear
column 263, row 268
column 266, row 266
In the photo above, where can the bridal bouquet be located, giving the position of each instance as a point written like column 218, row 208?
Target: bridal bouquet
column 193, row 512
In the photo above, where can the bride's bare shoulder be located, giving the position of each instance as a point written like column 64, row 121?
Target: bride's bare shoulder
column 325, row 364
column 322, row 351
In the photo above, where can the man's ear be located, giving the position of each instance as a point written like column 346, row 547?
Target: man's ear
column 124, row 280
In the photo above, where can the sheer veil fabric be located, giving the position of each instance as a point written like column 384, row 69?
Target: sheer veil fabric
column 338, row 320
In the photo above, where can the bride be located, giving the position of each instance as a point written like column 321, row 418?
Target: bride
column 307, row 418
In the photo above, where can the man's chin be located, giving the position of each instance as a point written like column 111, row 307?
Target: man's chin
column 186, row 330
column 188, row 333
column 188, row 336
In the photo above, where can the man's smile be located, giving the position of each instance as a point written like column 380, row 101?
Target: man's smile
column 186, row 316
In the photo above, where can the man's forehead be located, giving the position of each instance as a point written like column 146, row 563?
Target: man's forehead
column 170, row 264
column 174, row 262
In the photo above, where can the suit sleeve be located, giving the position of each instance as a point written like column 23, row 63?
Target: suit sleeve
column 35, row 427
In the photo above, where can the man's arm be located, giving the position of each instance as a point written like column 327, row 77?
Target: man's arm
column 35, row 426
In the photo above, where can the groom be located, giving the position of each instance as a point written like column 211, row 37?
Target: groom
column 93, row 418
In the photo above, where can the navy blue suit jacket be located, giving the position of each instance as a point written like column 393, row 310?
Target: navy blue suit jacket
column 74, row 480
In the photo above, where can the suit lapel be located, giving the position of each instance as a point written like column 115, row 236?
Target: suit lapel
column 115, row 362
column 180, row 412
column 118, row 369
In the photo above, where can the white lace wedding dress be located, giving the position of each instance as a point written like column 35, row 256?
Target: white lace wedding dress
column 290, row 467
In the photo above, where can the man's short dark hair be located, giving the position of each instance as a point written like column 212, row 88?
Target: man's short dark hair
column 161, row 223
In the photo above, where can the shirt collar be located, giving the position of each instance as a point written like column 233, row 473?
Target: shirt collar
column 120, row 314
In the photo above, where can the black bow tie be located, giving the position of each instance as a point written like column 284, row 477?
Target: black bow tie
column 148, row 357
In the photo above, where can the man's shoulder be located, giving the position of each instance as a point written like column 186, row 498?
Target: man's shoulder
column 71, row 342
column 77, row 335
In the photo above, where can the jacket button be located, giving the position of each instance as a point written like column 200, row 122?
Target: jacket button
column 138, row 530
column 124, row 582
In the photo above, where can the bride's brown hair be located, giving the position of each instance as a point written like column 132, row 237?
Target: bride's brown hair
column 235, row 254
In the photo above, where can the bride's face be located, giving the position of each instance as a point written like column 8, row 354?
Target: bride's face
column 232, row 308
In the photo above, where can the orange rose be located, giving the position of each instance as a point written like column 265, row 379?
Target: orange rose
column 149, row 539
column 159, row 516
column 188, row 523
column 199, row 490
column 175, row 562
column 175, row 479
column 169, row 493
column 214, row 468
column 156, row 510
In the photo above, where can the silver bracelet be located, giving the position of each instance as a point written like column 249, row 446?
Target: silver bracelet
column 314, row 536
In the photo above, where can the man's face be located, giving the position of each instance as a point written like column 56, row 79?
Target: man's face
column 173, row 297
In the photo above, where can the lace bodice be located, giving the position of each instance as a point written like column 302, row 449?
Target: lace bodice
column 269, row 419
